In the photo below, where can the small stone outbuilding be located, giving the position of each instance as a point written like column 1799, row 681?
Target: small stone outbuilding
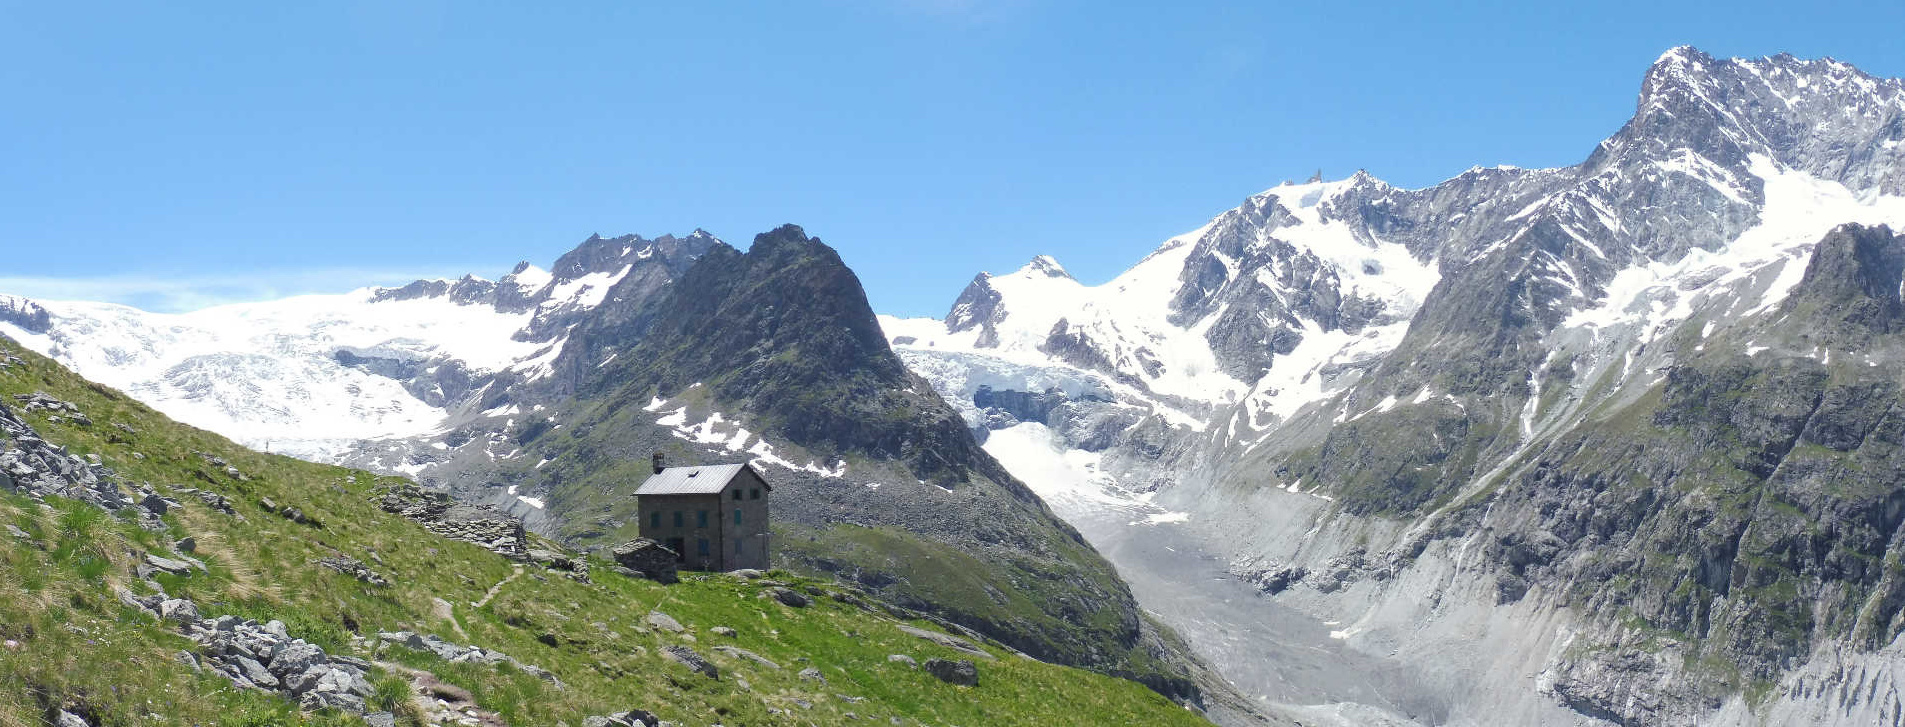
column 714, row 517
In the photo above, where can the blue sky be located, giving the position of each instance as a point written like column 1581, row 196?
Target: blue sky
column 173, row 157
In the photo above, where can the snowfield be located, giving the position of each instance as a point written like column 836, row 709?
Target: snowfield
column 269, row 374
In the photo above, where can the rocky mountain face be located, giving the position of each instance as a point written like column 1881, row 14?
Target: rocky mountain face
column 774, row 355
column 25, row 314
column 1616, row 429
column 273, row 591
column 1607, row 443
column 543, row 395
column 316, row 376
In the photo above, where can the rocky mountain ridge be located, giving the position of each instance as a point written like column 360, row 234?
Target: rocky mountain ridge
column 1403, row 370
column 277, row 591
column 543, row 395
column 316, row 375
column 1435, row 417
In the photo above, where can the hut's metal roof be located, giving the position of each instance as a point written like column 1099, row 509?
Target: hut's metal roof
column 704, row 480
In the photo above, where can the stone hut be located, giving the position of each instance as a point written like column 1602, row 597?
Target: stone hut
column 714, row 517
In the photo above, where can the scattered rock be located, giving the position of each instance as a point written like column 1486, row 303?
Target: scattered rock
column 631, row 718
column 740, row 653
column 217, row 502
column 68, row 719
column 902, row 659
column 722, row 631
column 692, row 659
column 789, row 597
column 154, row 504
column 186, row 545
column 178, row 609
column 746, row 573
column 961, row 672
column 464, row 654
column 575, row 568
column 663, row 622
column 946, row 640
column 31, row 466
column 482, row 525
column 354, row 568
column 264, row 656
column 168, row 565
column 297, row 659
column 1276, row 580
column 42, row 401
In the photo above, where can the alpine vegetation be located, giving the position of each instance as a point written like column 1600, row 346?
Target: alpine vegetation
column 1612, row 443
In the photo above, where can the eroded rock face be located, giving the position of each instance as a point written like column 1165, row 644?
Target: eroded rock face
column 1025, row 406
column 977, row 307
column 25, row 314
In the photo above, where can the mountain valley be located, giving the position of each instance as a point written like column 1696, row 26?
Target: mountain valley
column 1614, row 443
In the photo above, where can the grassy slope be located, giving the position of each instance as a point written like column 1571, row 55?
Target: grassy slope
column 78, row 647
column 1020, row 595
column 783, row 335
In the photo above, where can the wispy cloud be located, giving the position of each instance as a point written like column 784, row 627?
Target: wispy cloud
column 167, row 293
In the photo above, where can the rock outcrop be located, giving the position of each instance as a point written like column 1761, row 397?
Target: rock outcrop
column 961, row 672
column 478, row 524
column 30, row 465
column 461, row 654
column 354, row 568
column 264, row 657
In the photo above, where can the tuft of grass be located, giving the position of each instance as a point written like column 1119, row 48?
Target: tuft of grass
column 391, row 693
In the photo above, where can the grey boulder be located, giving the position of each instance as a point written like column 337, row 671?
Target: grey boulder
column 693, row 660
column 960, row 672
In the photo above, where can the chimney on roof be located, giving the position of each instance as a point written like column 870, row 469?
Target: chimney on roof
column 658, row 463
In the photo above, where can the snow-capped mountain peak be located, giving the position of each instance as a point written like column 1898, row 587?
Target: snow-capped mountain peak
column 313, row 375
column 1043, row 265
column 529, row 277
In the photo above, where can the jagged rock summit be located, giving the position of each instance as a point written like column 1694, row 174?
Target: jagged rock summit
column 1540, row 397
